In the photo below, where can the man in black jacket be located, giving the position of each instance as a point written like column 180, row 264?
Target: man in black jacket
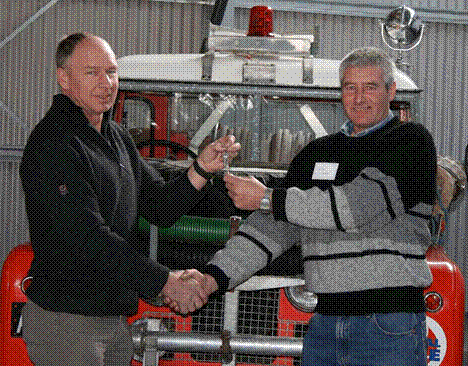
column 85, row 185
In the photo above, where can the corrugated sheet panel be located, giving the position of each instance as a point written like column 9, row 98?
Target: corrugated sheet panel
column 452, row 5
column 12, row 213
column 439, row 66
column 428, row 10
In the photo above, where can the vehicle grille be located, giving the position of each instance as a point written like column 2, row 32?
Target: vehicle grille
column 258, row 314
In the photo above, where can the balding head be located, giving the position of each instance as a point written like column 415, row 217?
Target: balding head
column 68, row 44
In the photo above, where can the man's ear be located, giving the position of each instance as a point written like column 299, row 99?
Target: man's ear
column 62, row 78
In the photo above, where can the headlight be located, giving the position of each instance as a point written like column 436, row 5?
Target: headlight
column 301, row 299
column 433, row 301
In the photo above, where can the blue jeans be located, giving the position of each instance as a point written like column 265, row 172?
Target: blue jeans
column 369, row 340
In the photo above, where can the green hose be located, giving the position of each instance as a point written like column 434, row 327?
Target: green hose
column 192, row 229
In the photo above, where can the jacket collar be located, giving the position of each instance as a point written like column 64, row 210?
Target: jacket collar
column 63, row 104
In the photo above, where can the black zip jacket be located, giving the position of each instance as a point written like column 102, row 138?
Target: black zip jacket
column 84, row 191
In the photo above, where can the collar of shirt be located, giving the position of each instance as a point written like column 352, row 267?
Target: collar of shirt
column 347, row 127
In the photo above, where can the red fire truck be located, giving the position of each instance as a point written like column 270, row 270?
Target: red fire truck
column 274, row 96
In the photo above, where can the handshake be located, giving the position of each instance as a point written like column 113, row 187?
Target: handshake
column 187, row 291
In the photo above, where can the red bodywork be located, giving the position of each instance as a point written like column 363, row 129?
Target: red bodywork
column 15, row 269
column 446, row 331
column 449, row 283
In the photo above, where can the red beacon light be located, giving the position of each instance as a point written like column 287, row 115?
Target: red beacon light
column 260, row 21
column 260, row 41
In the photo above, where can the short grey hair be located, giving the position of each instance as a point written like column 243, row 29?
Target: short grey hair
column 369, row 56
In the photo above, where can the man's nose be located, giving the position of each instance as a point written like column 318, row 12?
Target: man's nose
column 359, row 95
column 105, row 79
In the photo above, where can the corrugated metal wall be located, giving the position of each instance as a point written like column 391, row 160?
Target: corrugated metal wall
column 427, row 4
column 439, row 66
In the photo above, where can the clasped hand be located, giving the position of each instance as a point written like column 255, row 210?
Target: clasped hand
column 187, row 291
column 245, row 192
column 211, row 158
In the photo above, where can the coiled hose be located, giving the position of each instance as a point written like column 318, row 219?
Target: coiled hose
column 192, row 229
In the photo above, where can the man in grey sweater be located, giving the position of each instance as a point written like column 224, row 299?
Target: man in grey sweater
column 357, row 201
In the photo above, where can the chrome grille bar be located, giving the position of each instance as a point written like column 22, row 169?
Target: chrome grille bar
column 197, row 342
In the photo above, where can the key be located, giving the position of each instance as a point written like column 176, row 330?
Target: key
column 226, row 162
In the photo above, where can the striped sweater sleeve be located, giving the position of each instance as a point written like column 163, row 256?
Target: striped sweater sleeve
column 399, row 180
column 258, row 241
column 370, row 201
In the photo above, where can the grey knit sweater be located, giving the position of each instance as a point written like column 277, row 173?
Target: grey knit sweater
column 362, row 224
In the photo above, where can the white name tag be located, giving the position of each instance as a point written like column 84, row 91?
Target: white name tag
column 325, row 171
